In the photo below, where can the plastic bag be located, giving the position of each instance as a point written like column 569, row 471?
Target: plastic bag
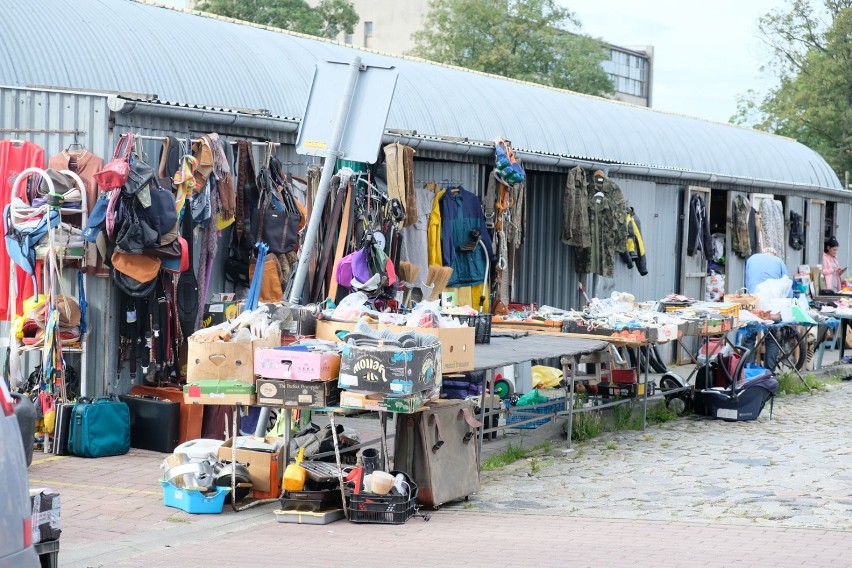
column 544, row 377
column 531, row 398
column 351, row 307
column 774, row 289
column 425, row 314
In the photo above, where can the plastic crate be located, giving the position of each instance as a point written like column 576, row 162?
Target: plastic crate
column 382, row 509
column 481, row 324
column 48, row 553
column 554, row 405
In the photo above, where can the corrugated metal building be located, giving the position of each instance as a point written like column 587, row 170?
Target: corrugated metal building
column 180, row 72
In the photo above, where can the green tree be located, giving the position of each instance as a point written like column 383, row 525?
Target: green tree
column 812, row 57
column 530, row 40
column 328, row 19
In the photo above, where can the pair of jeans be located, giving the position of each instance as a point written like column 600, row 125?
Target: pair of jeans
column 770, row 347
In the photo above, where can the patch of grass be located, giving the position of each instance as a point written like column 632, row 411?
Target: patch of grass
column 587, row 425
column 660, row 414
column 535, row 465
column 623, row 418
column 665, row 443
column 610, row 445
column 790, row 383
column 648, row 437
column 545, row 446
column 511, row 454
column 177, row 519
column 468, row 506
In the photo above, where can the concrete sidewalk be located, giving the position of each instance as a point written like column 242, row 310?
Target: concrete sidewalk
column 113, row 512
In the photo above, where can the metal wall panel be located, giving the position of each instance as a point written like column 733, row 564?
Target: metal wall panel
column 37, row 115
column 649, row 202
column 468, row 176
column 814, row 223
column 547, row 274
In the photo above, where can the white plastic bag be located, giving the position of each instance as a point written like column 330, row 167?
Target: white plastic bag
column 773, row 289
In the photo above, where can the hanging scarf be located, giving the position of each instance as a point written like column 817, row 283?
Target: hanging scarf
column 224, row 179
column 184, row 181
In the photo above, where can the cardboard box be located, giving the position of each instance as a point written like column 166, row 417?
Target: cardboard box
column 219, row 392
column 458, row 342
column 297, row 363
column 222, row 308
column 225, row 360
column 379, row 401
column 288, row 392
column 265, row 468
column 46, row 515
column 390, row 370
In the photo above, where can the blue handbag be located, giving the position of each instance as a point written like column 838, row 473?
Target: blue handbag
column 99, row 428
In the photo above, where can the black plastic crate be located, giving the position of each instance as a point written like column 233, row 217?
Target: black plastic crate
column 48, row 553
column 382, row 509
column 481, row 324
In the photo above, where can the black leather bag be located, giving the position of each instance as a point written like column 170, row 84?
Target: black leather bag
column 141, row 174
column 278, row 229
column 136, row 234
column 162, row 214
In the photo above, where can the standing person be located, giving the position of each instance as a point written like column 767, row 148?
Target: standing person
column 760, row 267
column 764, row 266
column 831, row 268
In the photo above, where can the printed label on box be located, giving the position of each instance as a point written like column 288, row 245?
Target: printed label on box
column 217, row 308
column 347, row 380
column 730, row 413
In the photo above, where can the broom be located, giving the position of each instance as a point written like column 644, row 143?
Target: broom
column 408, row 273
column 437, row 278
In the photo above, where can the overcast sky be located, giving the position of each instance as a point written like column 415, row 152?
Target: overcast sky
column 705, row 53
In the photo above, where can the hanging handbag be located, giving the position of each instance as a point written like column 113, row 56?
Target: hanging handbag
column 116, row 172
column 136, row 235
column 277, row 228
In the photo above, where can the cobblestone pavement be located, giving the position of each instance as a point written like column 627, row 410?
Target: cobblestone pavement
column 792, row 471
column 665, row 497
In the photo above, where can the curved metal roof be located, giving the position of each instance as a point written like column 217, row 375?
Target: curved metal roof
column 184, row 57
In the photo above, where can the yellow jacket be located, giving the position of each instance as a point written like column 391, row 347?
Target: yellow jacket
column 434, row 234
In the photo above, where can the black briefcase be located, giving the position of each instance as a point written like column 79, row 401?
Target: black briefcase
column 154, row 423
column 64, row 411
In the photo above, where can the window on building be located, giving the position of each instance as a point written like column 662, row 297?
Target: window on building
column 347, row 39
column 368, row 34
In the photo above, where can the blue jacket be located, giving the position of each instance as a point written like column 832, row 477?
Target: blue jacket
column 461, row 213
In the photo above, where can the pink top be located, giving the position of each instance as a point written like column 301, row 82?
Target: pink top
column 831, row 270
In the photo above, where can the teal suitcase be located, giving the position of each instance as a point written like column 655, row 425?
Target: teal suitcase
column 99, row 428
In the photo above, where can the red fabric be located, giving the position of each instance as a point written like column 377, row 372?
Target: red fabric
column 15, row 157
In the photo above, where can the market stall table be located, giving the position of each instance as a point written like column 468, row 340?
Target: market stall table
column 519, row 347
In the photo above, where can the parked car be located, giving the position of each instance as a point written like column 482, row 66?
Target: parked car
column 16, row 537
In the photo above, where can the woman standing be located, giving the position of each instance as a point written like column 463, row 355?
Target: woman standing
column 831, row 268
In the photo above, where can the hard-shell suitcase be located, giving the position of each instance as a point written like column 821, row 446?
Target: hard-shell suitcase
column 63, row 425
column 191, row 415
column 437, row 448
column 154, row 423
column 99, row 428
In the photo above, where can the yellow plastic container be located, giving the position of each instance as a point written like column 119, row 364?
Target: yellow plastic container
column 295, row 474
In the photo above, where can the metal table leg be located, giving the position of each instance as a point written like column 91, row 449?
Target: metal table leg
column 565, row 362
column 339, row 465
column 383, row 418
column 645, row 393
column 489, row 376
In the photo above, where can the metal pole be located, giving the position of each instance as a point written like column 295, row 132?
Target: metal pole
column 327, row 173
column 319, row 202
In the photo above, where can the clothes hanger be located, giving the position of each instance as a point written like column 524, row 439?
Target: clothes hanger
column 75, row 144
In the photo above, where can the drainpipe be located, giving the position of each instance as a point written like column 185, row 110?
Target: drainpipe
column 213, row 117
